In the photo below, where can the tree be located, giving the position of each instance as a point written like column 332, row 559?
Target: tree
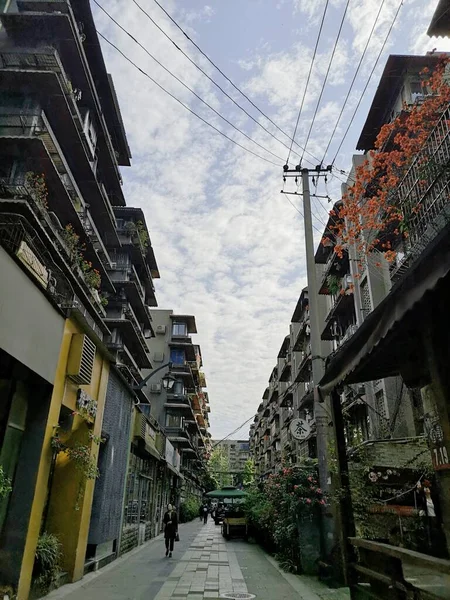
column 249, row 472
column 219, row 467
column 381, row 209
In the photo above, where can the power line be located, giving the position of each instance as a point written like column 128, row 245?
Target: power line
column 307, row 81
column 237, row 88
column 353, row 80
column 182, row 103
column 212, row 80
column 325, row 80
column 369, row 79
column 233, row 432
column 301, row 214
column 182, row 82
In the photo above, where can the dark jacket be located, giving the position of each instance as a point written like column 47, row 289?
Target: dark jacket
column 170, row 524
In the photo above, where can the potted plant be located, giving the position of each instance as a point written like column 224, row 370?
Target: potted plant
column 46, row 563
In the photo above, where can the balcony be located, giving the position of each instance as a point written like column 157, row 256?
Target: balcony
column 55, row 21
column 426, row 185
column 285, row 372
column 126, row 277
column 179, row 436
column 303, row 373
column 179, row 404
column 130, row 335
column 31, row 135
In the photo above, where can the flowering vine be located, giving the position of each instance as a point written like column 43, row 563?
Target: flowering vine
column 377, row 210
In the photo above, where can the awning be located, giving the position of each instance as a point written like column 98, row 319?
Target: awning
column 390, row 339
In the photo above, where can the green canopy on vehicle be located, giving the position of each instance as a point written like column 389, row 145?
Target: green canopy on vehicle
column 226, row 492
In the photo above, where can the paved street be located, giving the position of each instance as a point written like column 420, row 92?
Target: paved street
column 204, row 566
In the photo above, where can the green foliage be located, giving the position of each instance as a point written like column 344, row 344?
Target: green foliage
column 249, row 472
column 46, row 564
column 274, row 511
column 189, row 510
column 218, row 466
column 5, row 484
column 334, row 284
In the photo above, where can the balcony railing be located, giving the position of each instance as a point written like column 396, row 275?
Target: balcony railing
column 19, row 238
column 423, row 193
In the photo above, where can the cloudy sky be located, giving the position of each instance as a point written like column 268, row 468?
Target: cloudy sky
column 230, row 247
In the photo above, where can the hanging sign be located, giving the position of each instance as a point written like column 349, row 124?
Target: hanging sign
column 300, row 429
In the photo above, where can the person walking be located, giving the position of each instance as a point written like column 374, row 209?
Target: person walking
column 205, row 513
column 170, row 529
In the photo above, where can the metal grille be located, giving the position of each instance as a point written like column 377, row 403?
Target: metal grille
column 380, row 403
column 427, row 184
column 365, row 299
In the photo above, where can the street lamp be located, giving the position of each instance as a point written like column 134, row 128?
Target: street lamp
column 167, row 381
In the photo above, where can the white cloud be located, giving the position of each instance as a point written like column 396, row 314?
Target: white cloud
column 229, row 246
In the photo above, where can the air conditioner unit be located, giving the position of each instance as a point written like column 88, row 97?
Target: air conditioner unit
column 158, row 356
column 80, row 363
column 155, row 388
column 160, row 329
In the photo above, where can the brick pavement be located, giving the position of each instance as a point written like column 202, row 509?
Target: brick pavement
column 207, row 569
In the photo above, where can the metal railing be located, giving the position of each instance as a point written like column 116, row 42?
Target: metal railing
column 424, row 192
column 19, row 238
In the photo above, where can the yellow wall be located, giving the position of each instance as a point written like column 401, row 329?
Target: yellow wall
column 71, row 526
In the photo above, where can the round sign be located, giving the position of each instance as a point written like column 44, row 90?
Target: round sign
column 300, row 429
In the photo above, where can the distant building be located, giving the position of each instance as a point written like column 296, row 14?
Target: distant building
column 237, row 452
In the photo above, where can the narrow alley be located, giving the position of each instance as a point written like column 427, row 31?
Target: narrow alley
column 204, row 566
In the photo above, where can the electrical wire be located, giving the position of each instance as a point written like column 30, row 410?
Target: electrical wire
column 327, row 230
column 325, row 80
column 233, row 432
column 353, row 80
column 237, row 88
column 214, row 82
column 368, row 81
column 183, row 83
column 182, row 103
column 309, row 76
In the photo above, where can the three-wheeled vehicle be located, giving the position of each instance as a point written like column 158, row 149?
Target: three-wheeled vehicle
column 234, row 522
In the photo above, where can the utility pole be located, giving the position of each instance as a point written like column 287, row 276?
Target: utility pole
column 318, row 360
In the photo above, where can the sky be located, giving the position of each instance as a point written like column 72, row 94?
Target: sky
column 229, row 246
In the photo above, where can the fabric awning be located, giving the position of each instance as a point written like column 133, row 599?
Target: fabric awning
column 376, row 350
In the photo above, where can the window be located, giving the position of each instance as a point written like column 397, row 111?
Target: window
column 177, row 356
column 178, row 388
column 179, row 329
column 174, row 420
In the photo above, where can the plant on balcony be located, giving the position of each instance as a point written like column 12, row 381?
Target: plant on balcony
column 72, row 242
column 37, row 188
column 142, row 234
column 91, row 276
column 374, row 215
column 5, row 484
column 334, row 284
column 104, row 299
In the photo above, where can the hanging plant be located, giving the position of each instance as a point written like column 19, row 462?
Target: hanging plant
column 5, row 484
column 37, row 188
column 91, row 276
column 80, row 455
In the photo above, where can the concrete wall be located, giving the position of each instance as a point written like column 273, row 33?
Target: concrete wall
column 109, row 488
column 31, row 329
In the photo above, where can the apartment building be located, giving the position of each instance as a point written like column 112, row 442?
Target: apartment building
column 288, row 399
column 75, row 322
column 183, row 410
column 236, row 451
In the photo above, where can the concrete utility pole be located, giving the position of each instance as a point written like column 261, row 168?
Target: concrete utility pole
column 317, row 359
